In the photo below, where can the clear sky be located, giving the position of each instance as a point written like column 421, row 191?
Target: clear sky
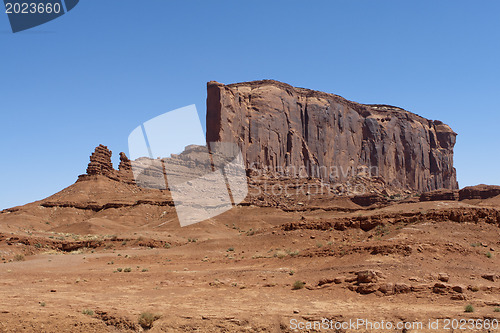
column 96, row 73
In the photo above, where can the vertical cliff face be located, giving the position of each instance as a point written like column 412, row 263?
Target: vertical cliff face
column 294, row 130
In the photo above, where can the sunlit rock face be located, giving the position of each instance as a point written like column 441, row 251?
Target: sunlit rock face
column 293, row 130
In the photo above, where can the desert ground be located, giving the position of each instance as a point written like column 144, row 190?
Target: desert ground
column 96, row 265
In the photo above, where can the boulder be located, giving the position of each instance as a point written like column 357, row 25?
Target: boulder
column 490, row 277
column 402, row 288
column 444, row 277
column 459, row 289
column 367, row 288
column 387, row 288
column 369, row 199
column 368, row 276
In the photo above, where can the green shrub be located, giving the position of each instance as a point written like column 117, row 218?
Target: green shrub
column 298, row 285
column 231, row 249
column 469, row 308
column 88, row 312
column 280, row 254
column 19, row 257
column 127, row 270
column 496, row 310
column 146, row 319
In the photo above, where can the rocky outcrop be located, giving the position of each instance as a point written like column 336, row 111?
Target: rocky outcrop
column 299, row 131
column 125, row 164
column 440, row 195
column 101, row 165
column 125, row 173
column 366, row 200
column 100, row 162
column 367, row 223
column 479, row 192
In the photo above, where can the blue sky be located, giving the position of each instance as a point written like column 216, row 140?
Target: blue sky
column 96, row 73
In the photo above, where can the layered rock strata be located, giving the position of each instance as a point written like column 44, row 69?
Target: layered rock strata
column 296, row 131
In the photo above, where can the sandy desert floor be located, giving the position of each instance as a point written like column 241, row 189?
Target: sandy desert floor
column 256, row 269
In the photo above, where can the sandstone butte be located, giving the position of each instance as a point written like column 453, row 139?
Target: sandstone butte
column 279, row 126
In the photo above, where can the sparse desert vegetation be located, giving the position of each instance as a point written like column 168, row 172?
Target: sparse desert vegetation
column 298, row 285
column 146, row 319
